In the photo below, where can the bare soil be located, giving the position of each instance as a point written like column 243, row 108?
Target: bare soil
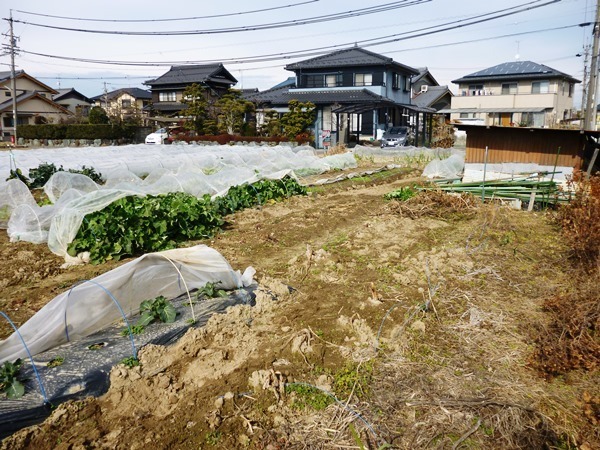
column 421, row 318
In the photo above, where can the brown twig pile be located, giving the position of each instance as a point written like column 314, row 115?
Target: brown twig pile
column 438, row 204
column 571, row 340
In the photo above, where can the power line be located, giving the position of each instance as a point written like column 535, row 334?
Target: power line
column 59, row 77
column 471, row 41
column 473, row 20
column 266, row 26
column 240, row 13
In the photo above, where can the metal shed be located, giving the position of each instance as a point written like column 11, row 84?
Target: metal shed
column 529, row 145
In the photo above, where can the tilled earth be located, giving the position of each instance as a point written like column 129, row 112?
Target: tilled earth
column 419, row 318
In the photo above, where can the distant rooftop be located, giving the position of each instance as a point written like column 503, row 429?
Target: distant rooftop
column 515, row 70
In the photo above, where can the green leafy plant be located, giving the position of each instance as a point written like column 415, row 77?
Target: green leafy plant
column 308, row 396
column 42, row 173
column 130, row 362
column 135, row 329
column 89, row 172
column 18, row 175
column 212, row 437
column 353, row 378
column 39, row 176
column 9, row 379
column 210, row 290
column 157, row 309
column 403, row 194
column 135, row 225
column 97, row 346
column 55, row 362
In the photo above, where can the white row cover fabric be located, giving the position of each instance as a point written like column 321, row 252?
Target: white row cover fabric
column 142, row 159
column 451, row 167
column 87, row 307
column 193, row 169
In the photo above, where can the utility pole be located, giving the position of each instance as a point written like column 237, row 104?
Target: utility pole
column 13, row 80
column 584, row 85
column 591, row 104
column 106, row 97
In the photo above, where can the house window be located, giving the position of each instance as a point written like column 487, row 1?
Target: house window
column 167, row 96
column 7, row 93
column 406, row 84
column 570, row 89
column 333, row 80
column 509, row 88
column 533, row 119
column 126, row 103
column 363, row 79
column 396, row 80
column 540, row 87
column 7, row 121
column 314, row 81
column 476, row 89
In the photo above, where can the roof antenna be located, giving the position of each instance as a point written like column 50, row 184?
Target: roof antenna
column 517, row 56
column 355, row 44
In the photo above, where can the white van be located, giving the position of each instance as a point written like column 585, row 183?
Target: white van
column 160, row 136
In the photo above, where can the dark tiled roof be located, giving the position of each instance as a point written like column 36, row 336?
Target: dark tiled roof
column 134, row 92
column 349, row 57
column 194, row 74
column 425, row 99
column 168, row 106
column 424, row 71
column 291, row 81
column 69, row 92
column 282, row 96
column 6, row 75
column 515, row 70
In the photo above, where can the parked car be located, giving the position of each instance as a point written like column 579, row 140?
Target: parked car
column 396, row 137
column 160, row 136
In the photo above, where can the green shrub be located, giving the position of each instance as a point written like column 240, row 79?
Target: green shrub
column 77, row 131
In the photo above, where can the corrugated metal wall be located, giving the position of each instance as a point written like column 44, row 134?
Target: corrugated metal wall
column 525, row 145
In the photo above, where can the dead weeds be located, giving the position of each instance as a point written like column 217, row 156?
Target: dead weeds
column 437, row 204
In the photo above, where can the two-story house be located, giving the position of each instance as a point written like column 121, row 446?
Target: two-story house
column 167, row 90
column 357, row 93
column 518, row 93
column 74, row 101
column 125, row 104
column 33, row 101
column 427, row 92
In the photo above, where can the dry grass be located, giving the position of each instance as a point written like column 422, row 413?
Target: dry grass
column 437, row 204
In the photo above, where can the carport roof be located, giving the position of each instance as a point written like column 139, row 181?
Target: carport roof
column 491, row 110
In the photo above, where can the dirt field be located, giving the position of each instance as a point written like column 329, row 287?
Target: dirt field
column 422, row 321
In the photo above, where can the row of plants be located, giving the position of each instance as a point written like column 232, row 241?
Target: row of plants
column 136, row 225
column 40, row 175
column 76, row 131
column 159, row 309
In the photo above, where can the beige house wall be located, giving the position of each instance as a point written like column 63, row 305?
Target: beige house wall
column 24, row 84
column 557, row 100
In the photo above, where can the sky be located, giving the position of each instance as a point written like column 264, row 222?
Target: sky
column 96, row 53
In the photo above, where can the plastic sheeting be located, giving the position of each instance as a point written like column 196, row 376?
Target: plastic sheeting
column 506, row 171
column 141, row 170
column 451, row 167
column 142, row 159
column 87, row 308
